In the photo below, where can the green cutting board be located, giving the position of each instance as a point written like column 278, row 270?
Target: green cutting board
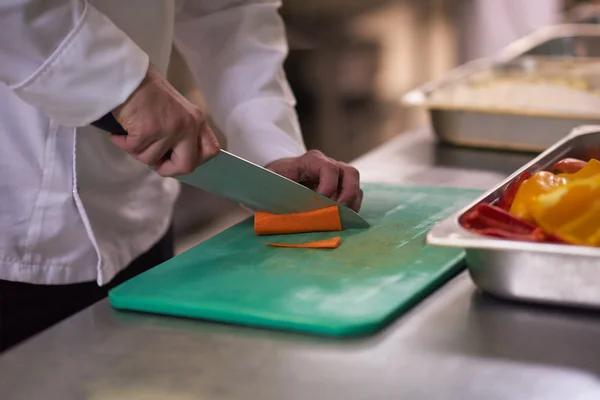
column 353, row 290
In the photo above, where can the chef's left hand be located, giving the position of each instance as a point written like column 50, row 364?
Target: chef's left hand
column 333, row 179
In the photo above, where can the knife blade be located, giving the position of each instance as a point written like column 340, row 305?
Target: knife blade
column 260, row 189
column 253, row 186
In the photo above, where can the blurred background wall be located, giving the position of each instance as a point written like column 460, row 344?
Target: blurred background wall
column 350, row 62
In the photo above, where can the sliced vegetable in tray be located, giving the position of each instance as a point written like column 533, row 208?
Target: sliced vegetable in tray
column 561, row 205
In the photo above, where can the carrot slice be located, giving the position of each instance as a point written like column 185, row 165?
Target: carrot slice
column 332, row 243
column 321, row 220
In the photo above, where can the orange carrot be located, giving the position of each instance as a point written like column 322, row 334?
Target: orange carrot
column 322, row 220
column 332, row 243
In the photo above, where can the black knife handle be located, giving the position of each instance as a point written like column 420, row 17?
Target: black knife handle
column 109, row 124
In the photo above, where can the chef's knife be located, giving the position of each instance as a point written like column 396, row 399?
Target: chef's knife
column 255, row 187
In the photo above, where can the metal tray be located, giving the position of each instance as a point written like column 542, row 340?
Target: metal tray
column 535, row 272
column 521, row 130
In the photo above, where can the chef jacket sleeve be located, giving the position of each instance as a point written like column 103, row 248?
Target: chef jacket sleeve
column 67, row 59
column 236, row 51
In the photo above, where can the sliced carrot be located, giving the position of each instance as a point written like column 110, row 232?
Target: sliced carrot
column 321, row 220
column 332, row 243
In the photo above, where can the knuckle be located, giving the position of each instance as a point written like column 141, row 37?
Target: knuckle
column 353, row 172
column 149, row 128
column 314, row 154
column 191, row 121
column 331, row 166
column 184, row 123
column 198, row 115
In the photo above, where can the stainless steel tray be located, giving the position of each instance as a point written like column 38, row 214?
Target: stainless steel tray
column 535, row 272
column 514, row 129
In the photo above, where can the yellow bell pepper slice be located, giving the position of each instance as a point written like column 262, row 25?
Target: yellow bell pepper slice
column 571, row 211
column 539, row 183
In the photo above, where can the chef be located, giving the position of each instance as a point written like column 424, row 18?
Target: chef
column 80, row 210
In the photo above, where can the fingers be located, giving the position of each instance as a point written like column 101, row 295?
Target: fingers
column 329, row 174
column 150, row 153
column 316, row 167
column 183, row 159
column 132, row 143
column 164, row 129
column 357, row 202
column 337, row 180
column 187, row 155
column 173, row 154
column 349, row 187
column 208, row 144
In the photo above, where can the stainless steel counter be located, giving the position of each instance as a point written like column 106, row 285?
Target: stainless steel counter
column 456, row 344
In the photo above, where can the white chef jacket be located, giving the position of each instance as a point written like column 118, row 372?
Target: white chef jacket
column 74, row 207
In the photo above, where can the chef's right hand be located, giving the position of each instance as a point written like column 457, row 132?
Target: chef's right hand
column 158, row 119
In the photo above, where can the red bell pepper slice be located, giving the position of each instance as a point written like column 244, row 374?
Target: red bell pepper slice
column 568, row 166
column 489, row 216
column 489, row 220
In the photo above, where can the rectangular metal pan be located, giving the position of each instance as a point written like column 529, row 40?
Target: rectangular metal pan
column 534, row 272
column 512, row 129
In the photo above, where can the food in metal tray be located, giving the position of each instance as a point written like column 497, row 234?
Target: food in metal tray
column 562, row 85
column 541, row 272
column 490, row 220
column 561, row 205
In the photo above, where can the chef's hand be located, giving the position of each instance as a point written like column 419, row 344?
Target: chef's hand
column 158, row 119
column 331, row 178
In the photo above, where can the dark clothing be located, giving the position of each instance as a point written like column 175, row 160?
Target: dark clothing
column 27, row 309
